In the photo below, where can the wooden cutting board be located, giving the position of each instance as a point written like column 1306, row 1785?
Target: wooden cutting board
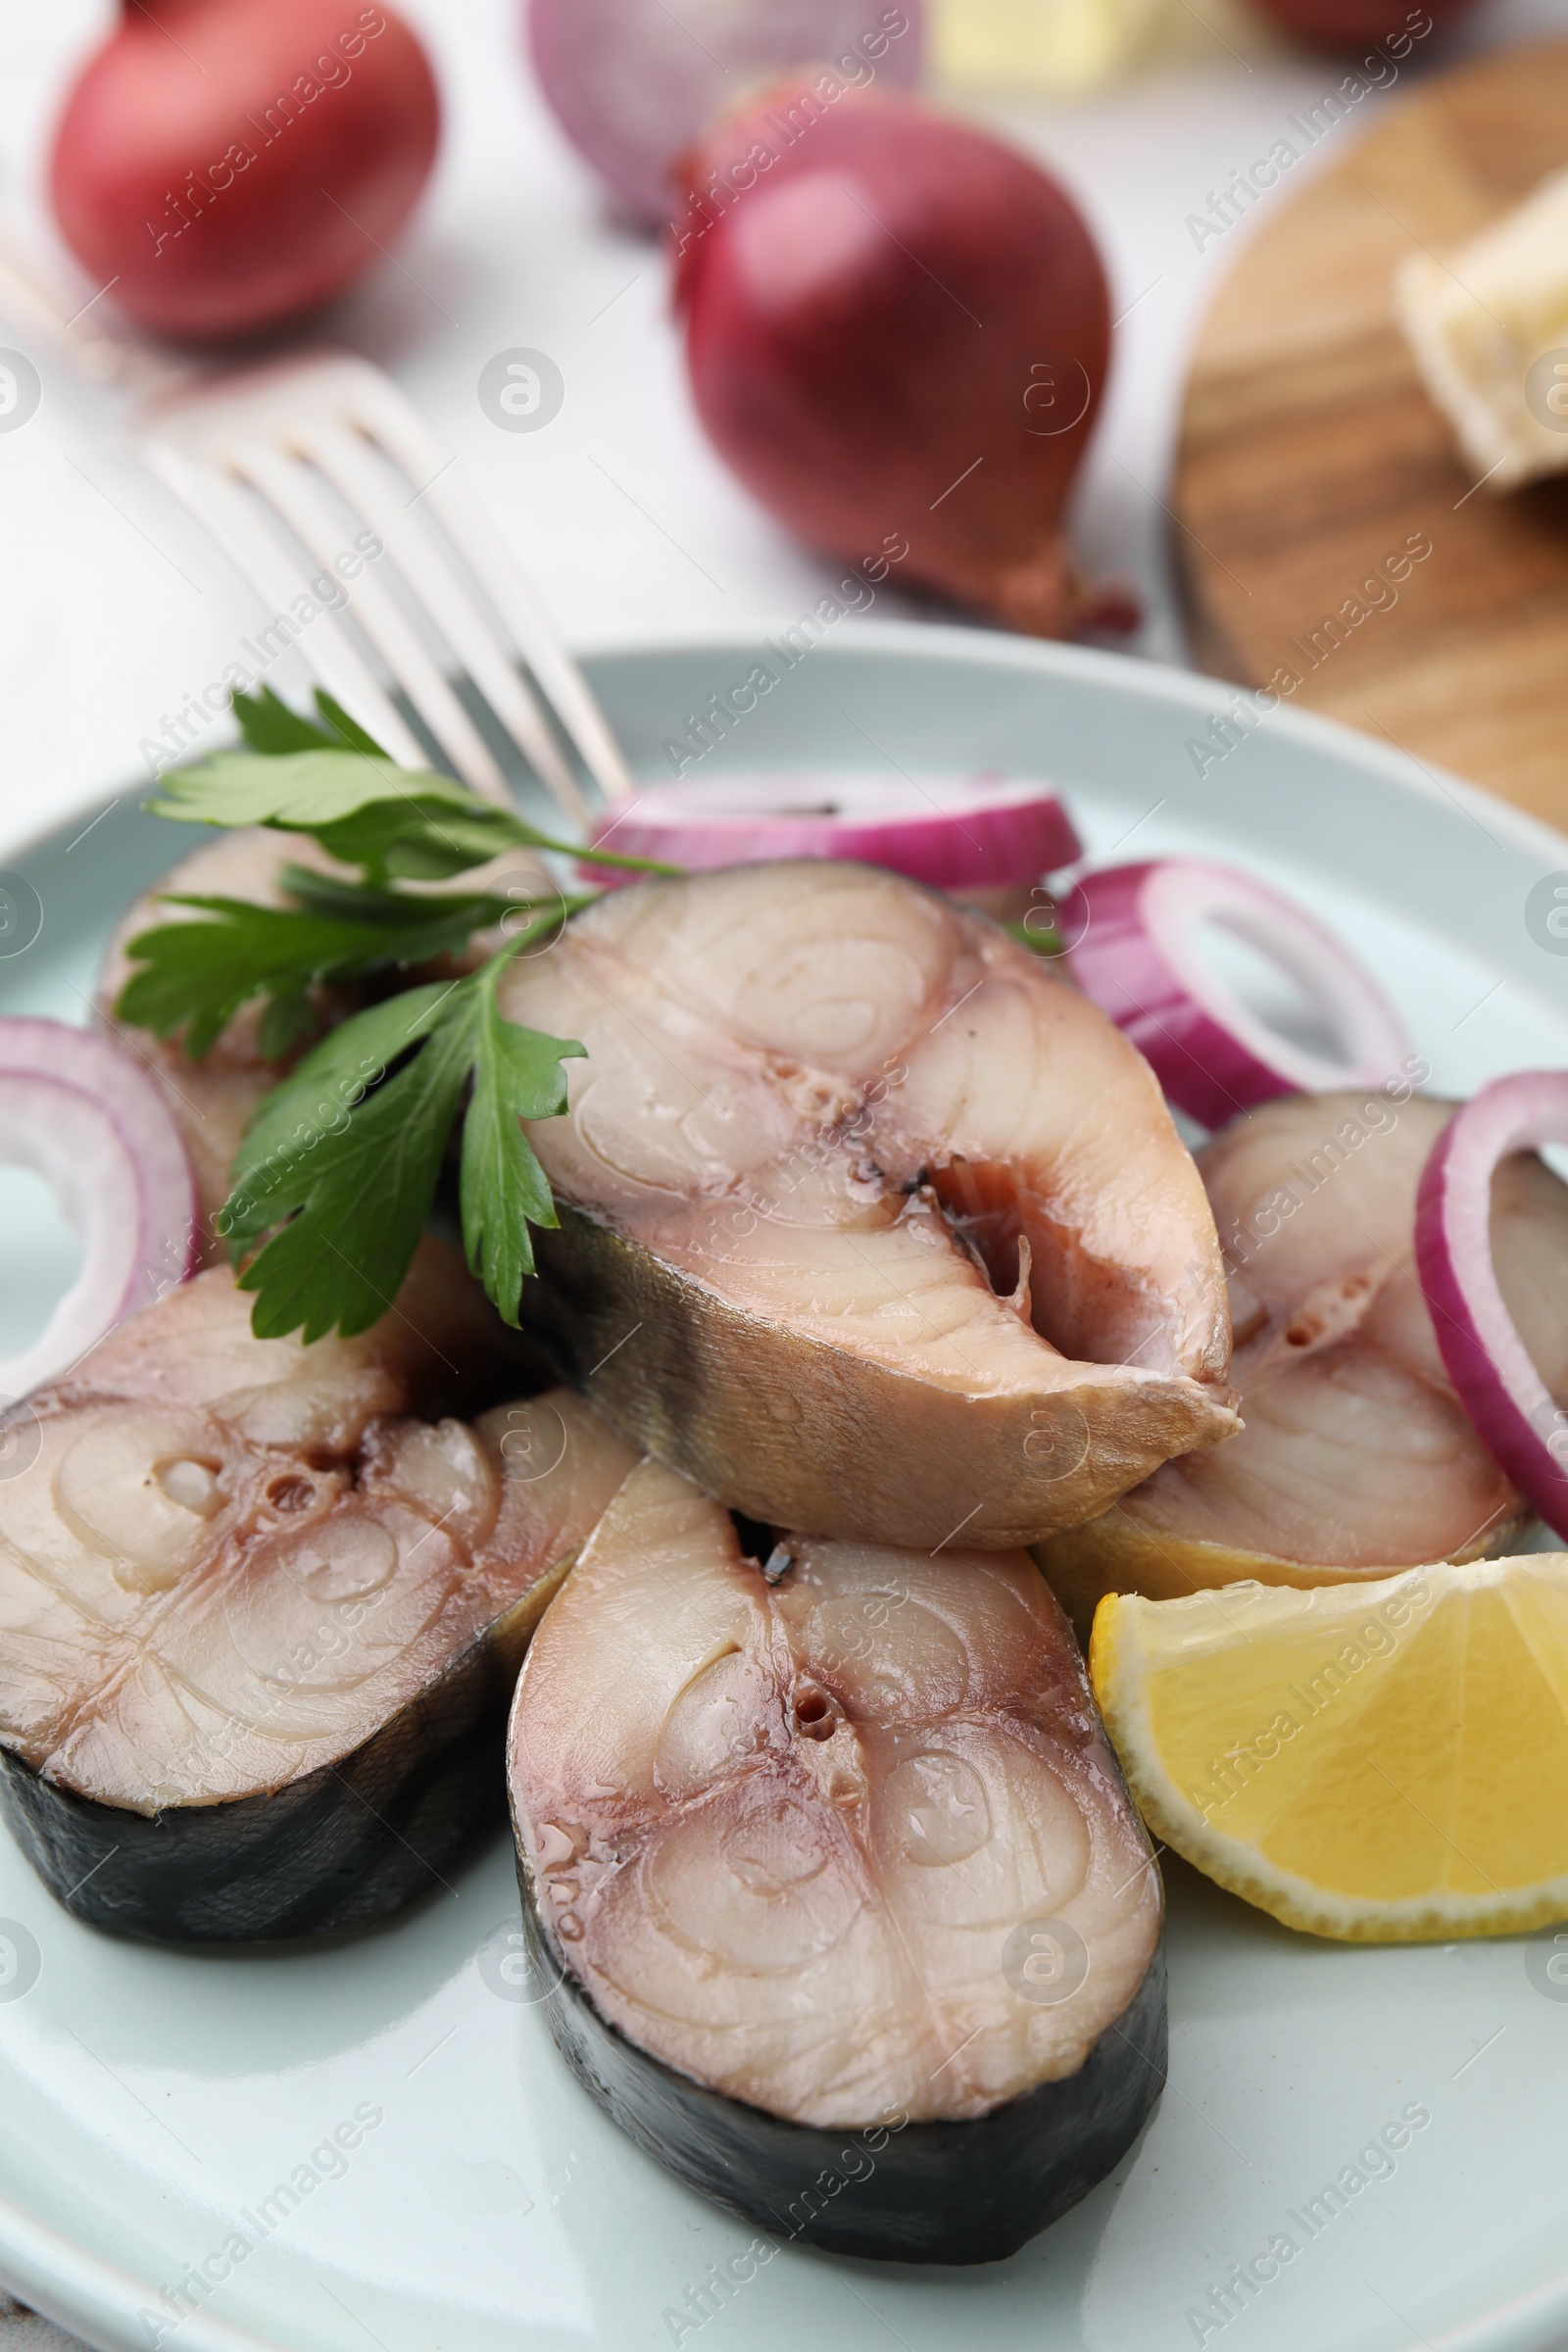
column 1309, row 455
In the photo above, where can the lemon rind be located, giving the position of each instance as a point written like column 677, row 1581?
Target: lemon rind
column 1114, row 1555
column 1118, row 1674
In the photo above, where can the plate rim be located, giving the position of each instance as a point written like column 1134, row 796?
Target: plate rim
column 953, row 642
column 94, row 2297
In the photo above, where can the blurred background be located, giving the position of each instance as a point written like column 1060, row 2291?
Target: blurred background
column 1270, row 487
column 115, row 608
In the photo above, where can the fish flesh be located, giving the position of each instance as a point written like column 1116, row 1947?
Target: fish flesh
column 869, row 1222
column 1358, row 1459
column 832, row 1847
column 261, row 1606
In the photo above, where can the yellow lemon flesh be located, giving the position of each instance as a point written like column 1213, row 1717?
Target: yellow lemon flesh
column 1386, row 1762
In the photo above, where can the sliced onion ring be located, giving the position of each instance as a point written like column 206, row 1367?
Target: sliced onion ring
column 78, row 1110
column 1517, row 1417
column 984, row 832
column 1132, row 933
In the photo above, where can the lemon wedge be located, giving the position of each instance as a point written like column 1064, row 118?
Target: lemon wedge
column 1385, row 1763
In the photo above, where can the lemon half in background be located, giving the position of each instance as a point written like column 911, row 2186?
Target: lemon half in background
column 1039, row 47
column 1386, row 1763
column 1055, row 49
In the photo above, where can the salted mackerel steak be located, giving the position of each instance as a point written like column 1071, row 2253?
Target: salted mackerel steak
column 261, row 1606
column 869, row 1223
column 1358, row 1459
column 846, row 1913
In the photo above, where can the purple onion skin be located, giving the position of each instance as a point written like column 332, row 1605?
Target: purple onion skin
column 633, row 84
column 983, row 849
column 1460, row 1309
column 1205, row 1071
column 1130, row 933
column 169, row 1241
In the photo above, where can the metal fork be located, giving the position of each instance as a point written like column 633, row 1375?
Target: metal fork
column 436, row 635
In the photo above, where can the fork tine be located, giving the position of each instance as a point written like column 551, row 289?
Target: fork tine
column 343, row 457
column 559, row 676
column 252, row 549
column 283, row 482
column 301, row 433
column 381, row 409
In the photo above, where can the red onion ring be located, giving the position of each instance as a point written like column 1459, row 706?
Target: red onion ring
column 78, row 1110
column 1132, row 933
column 1519, row 1420
column 960, row 833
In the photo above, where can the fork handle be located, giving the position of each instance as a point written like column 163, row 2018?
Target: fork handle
column 31, row 306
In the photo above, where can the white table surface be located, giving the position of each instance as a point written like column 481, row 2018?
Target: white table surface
column 113, row 608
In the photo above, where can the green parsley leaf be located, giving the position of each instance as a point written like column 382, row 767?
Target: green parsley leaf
column 314, row 1102
column 267, row 724
column 363, row 810
column 353, row 734
column 517, row 1075
column 286, row 1022
column 362, row 1200
column 399, row 909
column 366, row 812
column 334, row 1180
column 339, row 1166
column 303, row 789
column 1045, row 941
column 397, row 840
column 196, row 976
column 345, row 900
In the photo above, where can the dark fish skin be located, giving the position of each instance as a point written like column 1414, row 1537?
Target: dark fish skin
column 340, row 1849
column 935, row 2192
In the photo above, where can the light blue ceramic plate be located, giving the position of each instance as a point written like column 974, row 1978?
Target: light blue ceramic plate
column 151, row 2103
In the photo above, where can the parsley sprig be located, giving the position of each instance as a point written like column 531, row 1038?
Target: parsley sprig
column 194, row 977
column 334, row 784
column 1045, row 941
column 334, row 1180
column 335, row 1176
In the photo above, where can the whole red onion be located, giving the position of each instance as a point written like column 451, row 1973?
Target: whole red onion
column 1347, row 23
column 898, row 331
column 229, row 164
column 633, row 83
